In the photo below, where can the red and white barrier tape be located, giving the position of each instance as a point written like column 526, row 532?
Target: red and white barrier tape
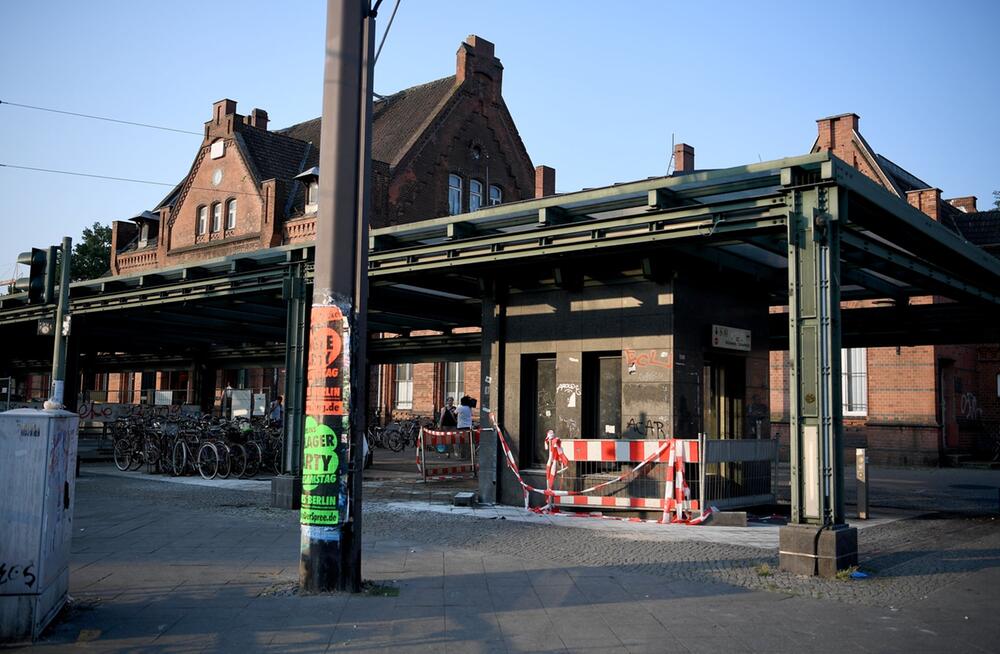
column 431, row 437
column 676, row 494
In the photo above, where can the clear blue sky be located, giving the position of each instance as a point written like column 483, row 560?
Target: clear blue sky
column 596, row 88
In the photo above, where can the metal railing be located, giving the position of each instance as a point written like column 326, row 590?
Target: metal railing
column 737, row 473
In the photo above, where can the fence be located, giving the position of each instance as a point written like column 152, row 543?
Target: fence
column 737, row 473
column 640, row 475
column 439, row 454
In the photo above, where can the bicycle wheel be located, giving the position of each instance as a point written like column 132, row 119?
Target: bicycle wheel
column 207, row 461
column 138, row 452
column 123, row 454
column 238, row 460
column 225, row 460
column 255, row 457
column 278, row 457
column 393, row 439
column 152, row 457
column 179, row 459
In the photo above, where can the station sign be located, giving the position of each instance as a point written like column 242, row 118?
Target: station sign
column 730, row 338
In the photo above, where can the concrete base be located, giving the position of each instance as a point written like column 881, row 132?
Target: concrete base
column 727, row 519
column 286, row 492
column 805, row 550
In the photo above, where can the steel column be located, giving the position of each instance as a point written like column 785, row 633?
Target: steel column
column 296, row 328
column 814, row 352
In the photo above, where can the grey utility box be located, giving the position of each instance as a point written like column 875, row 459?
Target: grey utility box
column 37, row 484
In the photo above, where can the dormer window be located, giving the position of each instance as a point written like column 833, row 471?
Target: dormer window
column 202, row 219
column 312, row 193
column 454, row 195
column 143, row 235
column 231, row 214
column 217, row 217
column 496, row 195
column 475, row 194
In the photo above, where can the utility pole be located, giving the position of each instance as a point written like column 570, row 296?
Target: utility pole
column 330, row 516
column 62, row 327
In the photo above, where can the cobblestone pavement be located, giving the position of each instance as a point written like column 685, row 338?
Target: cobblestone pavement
column 907, row 559
column 167, row 567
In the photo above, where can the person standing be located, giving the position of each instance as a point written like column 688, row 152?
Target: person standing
column 465, row 412
column 447, row 417
column 277, row 412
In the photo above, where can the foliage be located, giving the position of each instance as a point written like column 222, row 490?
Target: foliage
column 92, row 253
column 996, row 199
column 763, row 570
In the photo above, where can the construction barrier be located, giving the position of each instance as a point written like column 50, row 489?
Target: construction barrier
column 675, row 503
column 460, row 442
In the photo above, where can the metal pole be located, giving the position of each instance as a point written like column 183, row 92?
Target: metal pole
column 55, row 400
column 334, row 378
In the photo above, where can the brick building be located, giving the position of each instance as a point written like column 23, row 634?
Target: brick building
column 909, row 405
column 445, row 147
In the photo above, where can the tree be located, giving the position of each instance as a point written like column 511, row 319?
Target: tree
column 996, row 199
column 92, row 253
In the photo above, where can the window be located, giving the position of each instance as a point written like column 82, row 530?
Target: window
column 454, row 381
column 202, row 219
column 475, row 194
column 854, row 381
column 404, row 386
column 231, row 214
column 496, row 194
column 538, row 408
column 216, row 217
column 312, row 193
column 454, row 195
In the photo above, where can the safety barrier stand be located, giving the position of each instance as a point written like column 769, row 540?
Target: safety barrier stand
column 455, row 439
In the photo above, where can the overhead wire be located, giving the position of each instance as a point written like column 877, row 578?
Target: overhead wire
column 388, row 26
column 104, row 118
column 123, row 179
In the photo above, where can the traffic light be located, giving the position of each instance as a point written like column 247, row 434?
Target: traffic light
column 41, row 279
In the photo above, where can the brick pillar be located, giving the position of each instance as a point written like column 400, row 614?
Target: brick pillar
column 545, row 181
column 927, row 200
column 683, row 158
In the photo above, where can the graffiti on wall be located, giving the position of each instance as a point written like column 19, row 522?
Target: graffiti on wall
column 970, row 407
column 647, row 359
column 106, row 412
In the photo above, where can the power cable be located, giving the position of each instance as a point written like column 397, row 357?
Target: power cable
column 388, row 26
column 105, row 118
column 122, row 179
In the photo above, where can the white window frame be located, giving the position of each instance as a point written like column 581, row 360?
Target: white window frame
column 404, row 386
column 454, row 195
column 454, row 380
column 202, row 219
column 312, row 194
column 496, row 198
column 231, row 214
column 216, row 217
column 854, row 381
column 475, row 195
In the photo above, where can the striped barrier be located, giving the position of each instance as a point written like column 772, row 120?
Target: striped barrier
column 676, row 504
column 448, row 438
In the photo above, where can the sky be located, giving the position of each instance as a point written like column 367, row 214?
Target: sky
column 598, row 90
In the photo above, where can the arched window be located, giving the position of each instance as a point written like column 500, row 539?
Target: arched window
column 216, row 217
column 496, row 194
column 202, row 219
column 475, row 194
column 231, row 214
column 454, row 194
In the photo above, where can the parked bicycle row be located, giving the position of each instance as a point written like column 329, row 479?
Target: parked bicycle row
column 398, row 434
column 208, row 447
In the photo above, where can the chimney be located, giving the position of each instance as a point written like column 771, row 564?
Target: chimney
column 258, row 119
column 221, row 109
column 836, row 132
column 545, row 181
column 683, row 158
column 476, row 57
column 966, row 203
column 927, row 200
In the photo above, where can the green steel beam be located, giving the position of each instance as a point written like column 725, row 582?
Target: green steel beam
column 814, row 337
column 897, row 221
column 859, row 247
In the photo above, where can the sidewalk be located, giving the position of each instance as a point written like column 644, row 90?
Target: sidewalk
column 160, row 567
